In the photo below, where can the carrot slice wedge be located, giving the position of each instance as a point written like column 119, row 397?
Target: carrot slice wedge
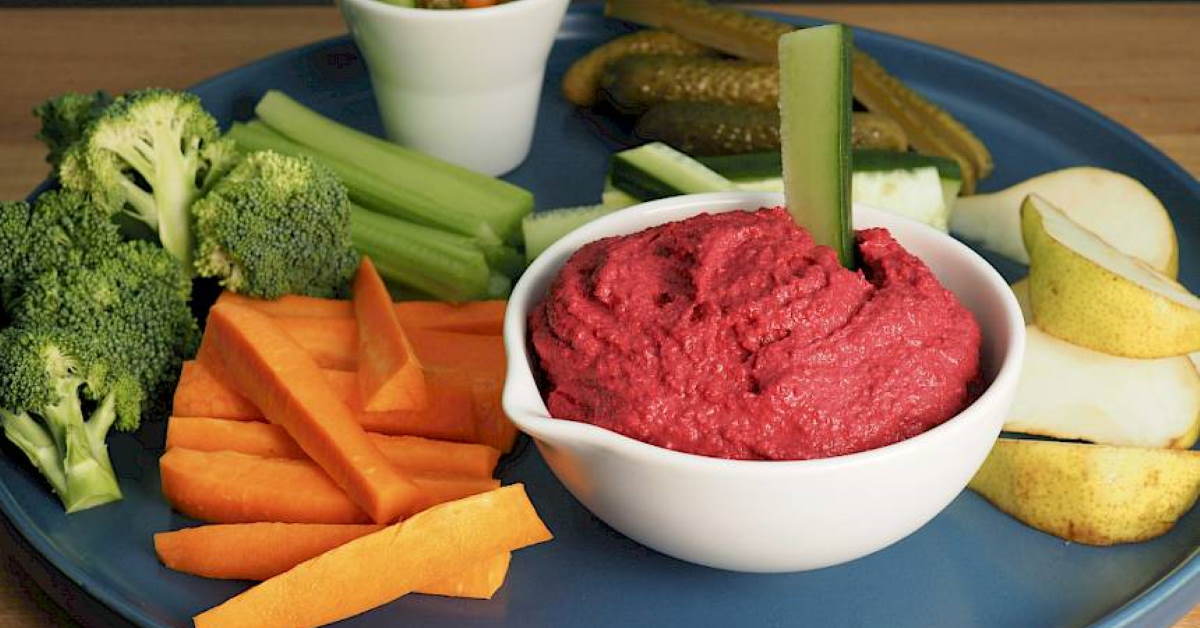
column 280, row 378
column 449, row 415
column 473, row 317
column 258, row 551
column 332, row 343
column 413, row 454
column 389, row 374
column 232, row 487
column 377, row 568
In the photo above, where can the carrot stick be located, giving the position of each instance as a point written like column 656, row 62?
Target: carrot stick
column 493, row 426
column 474, row 317
column 410, row 453
column 449, row 415
column 332, row 342
column 229, row 487
column 280, row 378
column 258, row 551
column 389, row 374
column 200, row 393
column 480, row 581
column 377, row 568
column 232, row 487
column 251, row 551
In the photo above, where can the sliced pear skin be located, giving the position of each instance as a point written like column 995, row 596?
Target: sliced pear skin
column 1086, row 292
column 1073, row 393
column 1093, row 494
column 1118, row 208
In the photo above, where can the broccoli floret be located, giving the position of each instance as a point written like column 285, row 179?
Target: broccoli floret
column 98, row 326
column 150, row 154
column 276, row 225
column 61, row 229
column 65, row 117
column 133, row 305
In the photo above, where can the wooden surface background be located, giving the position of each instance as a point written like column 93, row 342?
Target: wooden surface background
column 1138, row 63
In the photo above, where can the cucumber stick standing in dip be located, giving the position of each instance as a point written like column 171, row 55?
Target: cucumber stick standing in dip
column 814, row 111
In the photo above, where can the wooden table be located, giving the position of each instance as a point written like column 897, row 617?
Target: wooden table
column 1138, row 63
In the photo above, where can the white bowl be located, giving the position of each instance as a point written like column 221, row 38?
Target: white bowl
column 770, row 516
column 462, row 85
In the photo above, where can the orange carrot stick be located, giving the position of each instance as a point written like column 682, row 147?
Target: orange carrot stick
column 232, row 487
column 278, row 377
column 377, row 568
column 389, row 374
column 410, row 453
column 449, row 415
column 258, row 551
column 474, row 317
column 200, row 393
column 251, row 551
column 332, row 343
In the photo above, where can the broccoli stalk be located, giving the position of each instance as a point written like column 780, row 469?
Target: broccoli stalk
column 41, row 380
column 150, row 154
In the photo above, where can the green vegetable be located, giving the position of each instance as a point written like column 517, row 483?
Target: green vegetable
column 764, row 170
column 706, row 128
column 150, row 154
column 635, row 83
column 929, row 128
column 276, row 225
column 814, row 108
column 949, row 173
column 545, row 228
column 444, row 265
column 98, row 327
column 422, row 188
column 582, row 80
column 64, row 119
column 656, row 170
column 379, row 194
column 727, row 29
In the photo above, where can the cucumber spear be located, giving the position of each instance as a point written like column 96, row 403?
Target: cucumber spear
column 814, row 111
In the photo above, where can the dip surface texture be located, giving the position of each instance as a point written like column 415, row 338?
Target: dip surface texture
column 733, row 335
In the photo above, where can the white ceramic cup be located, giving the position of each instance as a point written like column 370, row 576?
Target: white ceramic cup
column 769, row 516
column 462, row 84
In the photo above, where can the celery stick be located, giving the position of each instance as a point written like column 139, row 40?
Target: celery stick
column 444, row 265
column 373, row 192
column 441, row 186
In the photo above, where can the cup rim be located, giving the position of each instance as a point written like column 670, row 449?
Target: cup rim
column 451, row 15
column 520, row 384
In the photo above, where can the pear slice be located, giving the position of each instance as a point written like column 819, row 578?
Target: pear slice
column 1092, row 494
column 1020, row 290
column 1086, row 292
column 1115, row 207
column 1075, row 393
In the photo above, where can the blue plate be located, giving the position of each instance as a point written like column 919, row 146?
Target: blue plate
column 972, row 565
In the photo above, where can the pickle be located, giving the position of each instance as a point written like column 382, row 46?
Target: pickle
column 581, row 81
column 701, row 128
column 929, row 128
column 729, row 30
column 875, row 130
column 705, row 129
column 635, row 83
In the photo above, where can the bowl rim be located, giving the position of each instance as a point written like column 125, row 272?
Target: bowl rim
column 520, row 373
column 382, row 8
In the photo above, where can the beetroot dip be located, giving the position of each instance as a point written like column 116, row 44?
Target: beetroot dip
column 733, row 335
